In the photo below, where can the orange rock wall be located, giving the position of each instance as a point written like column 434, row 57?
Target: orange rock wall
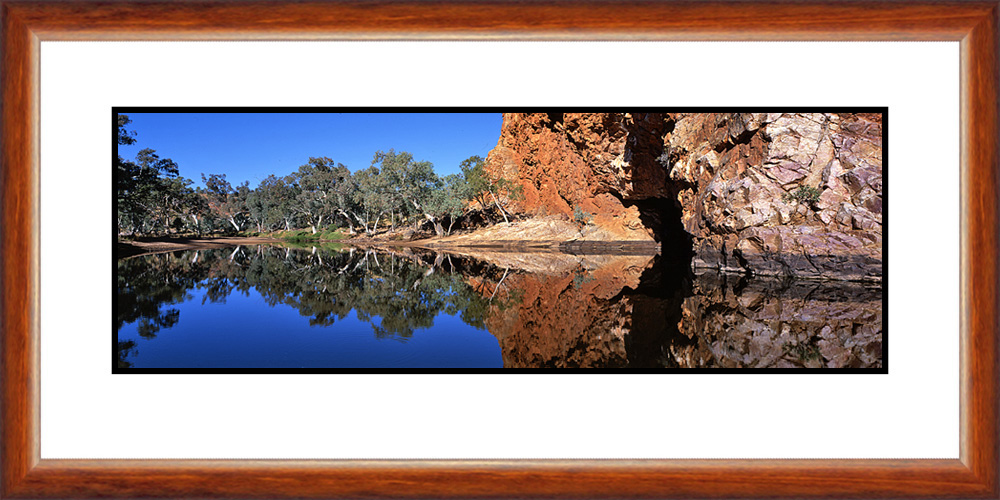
column 743, row 183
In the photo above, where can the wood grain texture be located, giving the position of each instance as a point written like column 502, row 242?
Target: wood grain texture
column 981, row 161
column 975, row 475
column 17, row 389
column 583, row 20
column 509, row 479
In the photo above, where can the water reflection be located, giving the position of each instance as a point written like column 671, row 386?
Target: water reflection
column 738, row 322
column 541, row 310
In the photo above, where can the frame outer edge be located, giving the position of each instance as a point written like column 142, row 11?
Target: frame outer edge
column 981, row 269
column 18, row 250
column 19, row 266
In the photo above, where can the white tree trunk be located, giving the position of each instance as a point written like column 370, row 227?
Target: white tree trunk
column 438, row 230
column 499, row 207
column 350, row 223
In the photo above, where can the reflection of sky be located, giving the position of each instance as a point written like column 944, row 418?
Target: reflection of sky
column 244, row 332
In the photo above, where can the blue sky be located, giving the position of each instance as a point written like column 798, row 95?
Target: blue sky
column 250, row 146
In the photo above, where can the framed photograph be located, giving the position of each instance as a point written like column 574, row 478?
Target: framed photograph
column 593, row 417
column 456, row 256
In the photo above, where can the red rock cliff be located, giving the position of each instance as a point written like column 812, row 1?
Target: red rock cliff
column 767, row 193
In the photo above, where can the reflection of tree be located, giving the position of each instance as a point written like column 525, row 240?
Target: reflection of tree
column 622, row 311
column 397, row 294
column 122, row 352
column 143, row 287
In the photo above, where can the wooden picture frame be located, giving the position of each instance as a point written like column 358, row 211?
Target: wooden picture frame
column 974, row 24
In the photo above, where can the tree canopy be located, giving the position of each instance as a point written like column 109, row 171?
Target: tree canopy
column 395, row 189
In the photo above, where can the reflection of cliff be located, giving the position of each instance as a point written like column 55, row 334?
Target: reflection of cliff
column 593, row 314
column 614, row 316
column 547, row 310
column 574, row 318
column 764, row 323
column 766, row 193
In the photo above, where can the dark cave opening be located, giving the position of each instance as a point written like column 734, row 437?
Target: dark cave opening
column 655, row 339
column 663, row 217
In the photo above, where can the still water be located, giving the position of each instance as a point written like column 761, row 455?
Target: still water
column 339, row 307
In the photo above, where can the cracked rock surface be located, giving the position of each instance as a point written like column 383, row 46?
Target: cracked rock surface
column 763, row 193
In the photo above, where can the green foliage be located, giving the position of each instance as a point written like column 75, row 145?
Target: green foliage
column 227, row 202
column 451, row 201
column 581, row 277
column 124, row 136
column 581, row 217
column 804, row 194
column 805, row 351
column 395, row 295
column 477, row 182
column 149, row 194
column 316, row 184
column 307, row 235
column 484, row 189
column 152, row 198
column 410, row 186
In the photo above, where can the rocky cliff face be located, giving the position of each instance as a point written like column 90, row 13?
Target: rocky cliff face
column 762, row 193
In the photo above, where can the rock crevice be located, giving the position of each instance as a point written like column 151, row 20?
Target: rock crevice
column 792, row 193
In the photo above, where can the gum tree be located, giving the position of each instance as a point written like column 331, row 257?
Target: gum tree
column 413, row 183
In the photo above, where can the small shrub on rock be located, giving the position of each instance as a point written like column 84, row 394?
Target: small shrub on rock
column 664, row 160
column 581, row 217
column 804, row 194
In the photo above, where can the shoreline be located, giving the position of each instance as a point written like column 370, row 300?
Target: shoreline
column 129, row 249
column 146, row 246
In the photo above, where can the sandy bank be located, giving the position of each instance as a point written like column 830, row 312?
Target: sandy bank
column 145, row 246
column 544, row 234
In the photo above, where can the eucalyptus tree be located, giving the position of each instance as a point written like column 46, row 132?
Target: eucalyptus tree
column 196, row 206
column 149, row 192
column 257, row 208
column 372, row 197
column 322, row 191
column 340, row 192
column 226, row 202
column 476, row 181
column 450, row 202
column 142, row 186
column 175, row 200
column 123, row 170
column 274, row 201
column 484, row 188
column 413, row 183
